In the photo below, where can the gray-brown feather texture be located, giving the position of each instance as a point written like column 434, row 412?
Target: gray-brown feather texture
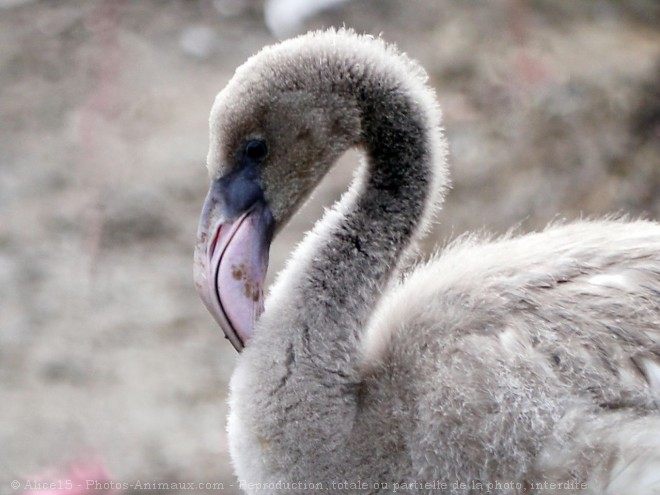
column 516, row 360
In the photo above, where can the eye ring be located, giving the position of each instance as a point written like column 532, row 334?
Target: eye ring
column 256, row 149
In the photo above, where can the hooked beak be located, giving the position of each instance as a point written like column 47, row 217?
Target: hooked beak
column 231, row 259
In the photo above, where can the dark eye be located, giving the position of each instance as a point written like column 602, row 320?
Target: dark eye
column 256, row 149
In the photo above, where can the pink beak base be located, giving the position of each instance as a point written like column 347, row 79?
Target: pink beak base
column 231, row 260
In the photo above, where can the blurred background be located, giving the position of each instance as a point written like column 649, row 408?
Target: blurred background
column 552, row 110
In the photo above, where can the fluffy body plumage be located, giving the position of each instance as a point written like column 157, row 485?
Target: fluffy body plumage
column 521, row 360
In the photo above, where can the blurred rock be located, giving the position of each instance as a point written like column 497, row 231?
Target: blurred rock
column 286, row 17
column 199, row 41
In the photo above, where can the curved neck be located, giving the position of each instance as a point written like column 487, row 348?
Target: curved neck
column 342, row 268
column 298, row 383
